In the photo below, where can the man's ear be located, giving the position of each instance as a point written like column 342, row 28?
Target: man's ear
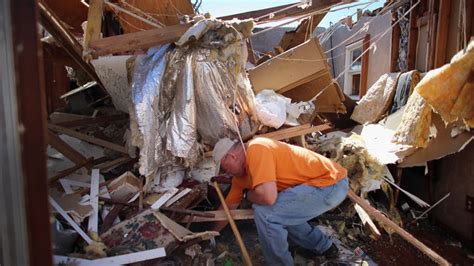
column 232, row 156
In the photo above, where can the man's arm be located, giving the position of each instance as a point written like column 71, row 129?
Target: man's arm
column 263, row 194
column 219, row 225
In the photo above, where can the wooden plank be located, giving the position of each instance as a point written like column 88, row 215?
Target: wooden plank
column 138, row 40
column 110, row 165
column 292, row 12
column 69, row 171
column 149, row 38
column 404, row 234
column 112, row 261
column 365, row 218
column 395, row 44
column 431, row 35
column 177, row 197
column 94, row 25
column 364, row 73
column 239, row 214
column 442, row 33
column 92, row 120
column 295, row 133
column 110, row 218
column 93, row 224
column 90, row 139
column 57, row 143
column 164, row 198
column 70, row 220
column 67, row 40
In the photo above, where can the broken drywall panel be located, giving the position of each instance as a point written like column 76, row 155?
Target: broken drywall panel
column 289, row 69
column 124, row 187
column 180, row 232
column 441, row 145
column 71, row 203
column 378, row 141
column 112, row 71
column 328, row 101
column 377, row 100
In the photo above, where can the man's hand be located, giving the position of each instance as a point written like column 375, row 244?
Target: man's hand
column 263, row 194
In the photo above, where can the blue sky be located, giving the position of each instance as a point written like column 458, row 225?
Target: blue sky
column 227, row 7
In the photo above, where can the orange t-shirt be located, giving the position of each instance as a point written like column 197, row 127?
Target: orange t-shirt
column 288, row 165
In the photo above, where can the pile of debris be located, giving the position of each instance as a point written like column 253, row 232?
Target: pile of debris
column 129, row 161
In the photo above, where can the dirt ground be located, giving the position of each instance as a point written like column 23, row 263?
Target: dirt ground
column 385, row 251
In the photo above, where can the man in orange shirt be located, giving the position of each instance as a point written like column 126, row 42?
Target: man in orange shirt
column 288, row 186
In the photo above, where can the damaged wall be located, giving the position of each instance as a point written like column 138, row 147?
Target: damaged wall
column 379, row 61
column 454, row 174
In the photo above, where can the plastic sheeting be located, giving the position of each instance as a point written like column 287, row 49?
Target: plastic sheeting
column 188, row 96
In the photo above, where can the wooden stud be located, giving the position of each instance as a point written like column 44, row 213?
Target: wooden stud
column 295, row 131
column 90, row 139
column 94, row 26
column 93, row 223
column 138, row 40
column 404, row 234
column 396, row 32
column 57, row 143
column 442, row 33
column 69, row 171
column 239, row 214
column 364, row 73
column 412, row 37
column 93, row 121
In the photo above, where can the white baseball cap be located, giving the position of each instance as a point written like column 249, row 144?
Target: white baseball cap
column 221, row 148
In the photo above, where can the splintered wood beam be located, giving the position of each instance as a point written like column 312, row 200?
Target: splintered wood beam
column 295, row 131
column 90, row 139
column 404, row 234
column 138, row 40
column 365, row 67
column 92, row 120
column 69, row 171
column 58, row 144
column 239, row 214
column 94, row 25
column 291, row 12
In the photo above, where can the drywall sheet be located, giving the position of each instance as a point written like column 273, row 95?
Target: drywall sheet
column 441, row 145
column 289, row 69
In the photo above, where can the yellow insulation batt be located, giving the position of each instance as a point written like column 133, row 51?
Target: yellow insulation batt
column 447, row 88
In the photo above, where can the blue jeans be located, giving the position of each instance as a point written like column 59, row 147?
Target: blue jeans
column 289, row 216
